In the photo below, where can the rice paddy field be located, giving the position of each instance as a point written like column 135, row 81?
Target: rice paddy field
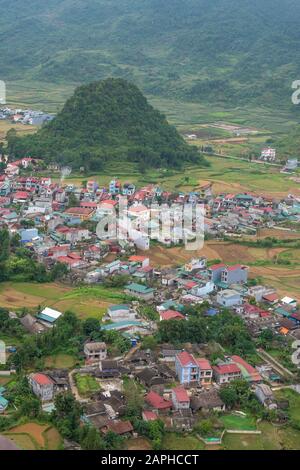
column 227, row 175
column 33, row 436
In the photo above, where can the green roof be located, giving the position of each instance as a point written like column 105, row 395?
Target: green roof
column 282, row 312
column 139, row 288
column 113, row 308
column 3, row 402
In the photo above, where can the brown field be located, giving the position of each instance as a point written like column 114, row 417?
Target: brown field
column 21, row 129
column 138, row 444
column 33, row 436
column 32, row 429
column 52, row 439
column 225, row 251
column 285, row 279
column 280, row 234
column 22, row 441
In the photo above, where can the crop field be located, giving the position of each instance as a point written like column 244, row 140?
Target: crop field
column 85, row 302
column 227, row 175
column 285, row 278
column 86, row 385
column 33, row 436
column 21, row 129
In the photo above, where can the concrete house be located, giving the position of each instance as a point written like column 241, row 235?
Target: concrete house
column 95, row 350
column 265, row 396
column 42, row 386
column 235, row 274
column 226, row 372
column 215, row 272
column 192, row 370
column 140, row 291
column 180, row 399
column 121, row 312
column 229, row 298
column 203, row 288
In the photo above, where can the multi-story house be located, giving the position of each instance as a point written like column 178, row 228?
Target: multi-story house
column 42, row 386
column 215, row 272
column 236, row 274
column 226, row 372
column 180, row 399
column 192, row 370
column 95, row 351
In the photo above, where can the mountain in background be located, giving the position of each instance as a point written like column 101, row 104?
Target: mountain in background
column 107, row 121
column 235, row 52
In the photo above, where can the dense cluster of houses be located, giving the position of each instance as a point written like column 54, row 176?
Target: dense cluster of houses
column 60, row 231
column 177, row 383
column 25, row 116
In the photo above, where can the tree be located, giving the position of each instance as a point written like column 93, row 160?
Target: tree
column 204, row 427
column 72, row 200
column 91, row 439
column 30, row 406
column 134, row 398
column 149, row 342
column 90, row 325
column 237, row 393
column 4, row 245
column 66, row 415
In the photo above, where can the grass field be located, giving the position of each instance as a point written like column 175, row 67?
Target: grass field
column 138, row 443
column 294, row 403
column 173, row 441
column 60, row 361
column 21, row 129
column 85, row 302
column 238, row 422
column 86, row 385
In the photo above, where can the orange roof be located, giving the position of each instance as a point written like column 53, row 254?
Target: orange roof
column 284, row 331
column 137, row 258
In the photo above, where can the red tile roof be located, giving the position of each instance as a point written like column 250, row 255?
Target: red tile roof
column 171, row 315
column 271, row 297
column 234, row 268
column 21, row 195
column 204, row 364
column 214, row 267
column 181, row 395
column 185, row 358
column 254, row 375
column 136, row 258
column 149, row 415
column 157, row 401
column 42, row 379
column 227, row 369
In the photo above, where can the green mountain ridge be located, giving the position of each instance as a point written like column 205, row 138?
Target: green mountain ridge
column 236, row 52
column 107, row 121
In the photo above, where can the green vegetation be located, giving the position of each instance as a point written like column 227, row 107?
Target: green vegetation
column 294, row 405
column 17, row 263
column 86, row 384
column 238, row 422
column 102, row 122
column 174, row 441
column 225, row 328
column 187, row 53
